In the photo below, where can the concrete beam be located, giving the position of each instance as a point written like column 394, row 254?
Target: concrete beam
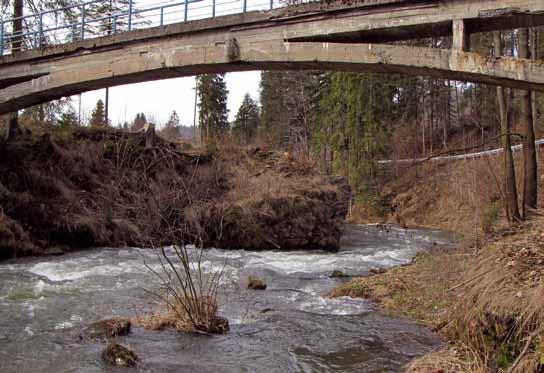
column 371, row 21
column 169, row 59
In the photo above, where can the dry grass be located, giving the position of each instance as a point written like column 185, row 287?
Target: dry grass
column 500, row 308
column 259, row 173
column 489, row 301
column 462, row 196
column 98, row 188
column 415, row 290
column 454, row 359
column 176, row 316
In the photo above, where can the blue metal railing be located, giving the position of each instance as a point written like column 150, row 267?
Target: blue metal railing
column 39, row 30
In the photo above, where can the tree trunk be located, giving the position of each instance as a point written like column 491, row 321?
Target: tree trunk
column 526, row 119
column 534, row 56
column 150, row 137
column 17, row 42
column 511, row 194
column 16, row 46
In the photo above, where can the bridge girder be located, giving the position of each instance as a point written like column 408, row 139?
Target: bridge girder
column 170, row 59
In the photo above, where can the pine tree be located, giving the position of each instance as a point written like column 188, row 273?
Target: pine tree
column 351, row 123
column 173, row 121
column 287, row 99
column 247, row 120
column 213, row 112
column 98, row 119
column 107, row 8
column 172, row 129
column 139, row 122
column 68, row 120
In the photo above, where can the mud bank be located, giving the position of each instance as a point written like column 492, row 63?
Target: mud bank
column 106, row 188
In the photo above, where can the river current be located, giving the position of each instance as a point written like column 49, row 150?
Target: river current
column 291, row 326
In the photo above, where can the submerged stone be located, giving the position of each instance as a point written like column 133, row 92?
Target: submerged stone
column 115, row 354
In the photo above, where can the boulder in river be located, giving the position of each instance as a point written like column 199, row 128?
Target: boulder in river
column 115, row 354
column 218, row 325
column 256, row 283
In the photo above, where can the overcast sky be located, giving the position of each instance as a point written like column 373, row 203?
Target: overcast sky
column 157, row 99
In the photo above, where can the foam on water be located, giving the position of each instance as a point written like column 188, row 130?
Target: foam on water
column 342, row 306
column 42, row 298
column 304, row 262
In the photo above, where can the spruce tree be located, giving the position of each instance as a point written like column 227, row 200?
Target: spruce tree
column 247, row 120
column 213, row 112
column 107, row 8
column 286, row 107
column 68, row 120
column 173, row 121
column 139, row 122
column 98, row 119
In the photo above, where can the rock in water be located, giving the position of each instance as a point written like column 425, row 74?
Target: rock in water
column 256, row 283
column 377, row 270
column 338, row 273
column 108, row 328
column 219, row 325
column 118, row 355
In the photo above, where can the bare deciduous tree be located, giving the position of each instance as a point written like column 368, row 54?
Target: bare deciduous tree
column 511, row 193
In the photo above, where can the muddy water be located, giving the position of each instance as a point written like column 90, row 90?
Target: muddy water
column 290, row 327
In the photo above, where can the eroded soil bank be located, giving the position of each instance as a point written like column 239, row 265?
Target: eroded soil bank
column 105, row 188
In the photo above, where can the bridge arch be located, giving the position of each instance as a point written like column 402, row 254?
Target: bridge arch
column 341, row 38
column 90, row 71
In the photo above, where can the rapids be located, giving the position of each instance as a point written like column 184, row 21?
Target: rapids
column 290, row 327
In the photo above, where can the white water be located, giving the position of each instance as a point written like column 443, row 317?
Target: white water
column 290, row 327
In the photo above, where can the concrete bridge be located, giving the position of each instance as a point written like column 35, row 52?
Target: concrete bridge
column 323, row 36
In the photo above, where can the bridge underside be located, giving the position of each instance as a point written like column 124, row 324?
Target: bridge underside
column 89, row 72
column 281, row 40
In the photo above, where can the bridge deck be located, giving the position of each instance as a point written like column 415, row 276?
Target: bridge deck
column 312, row 36
column 366, row 21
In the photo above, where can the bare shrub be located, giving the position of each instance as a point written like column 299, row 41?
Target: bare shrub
column 190, row 297
column 490, row 216
column 188, row 294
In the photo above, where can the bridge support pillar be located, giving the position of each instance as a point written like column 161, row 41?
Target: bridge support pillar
column 461, row 35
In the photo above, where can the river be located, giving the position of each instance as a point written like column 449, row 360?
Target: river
column 292, row 326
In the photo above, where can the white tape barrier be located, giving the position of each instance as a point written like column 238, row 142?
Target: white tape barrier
column 457, row 157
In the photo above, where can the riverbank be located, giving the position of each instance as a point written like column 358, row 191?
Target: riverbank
column 93, row 188
column 459, row 196
column 484, row 297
